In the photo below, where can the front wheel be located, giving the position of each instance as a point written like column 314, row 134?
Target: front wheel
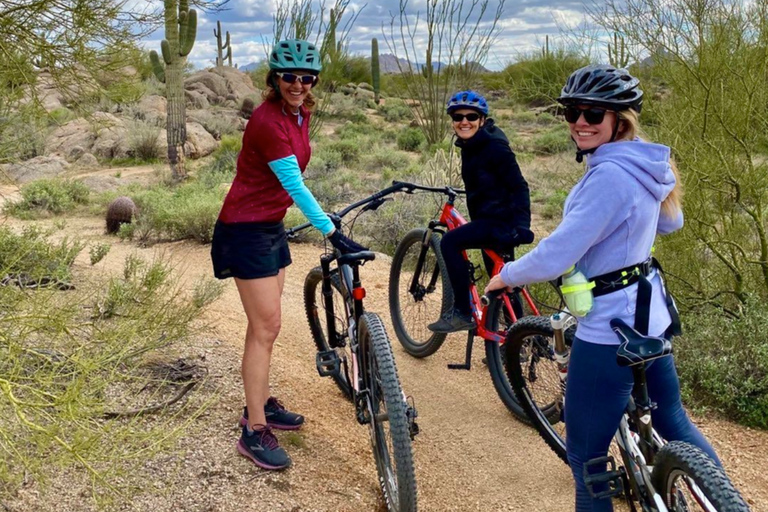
column 535, row 377
column 315, row 306
column 390, row 431
column 419, row 292
column 688, row 480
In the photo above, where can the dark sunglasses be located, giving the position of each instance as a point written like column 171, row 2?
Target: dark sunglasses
column 291, row 78
column 591, row 115
column 457, row 118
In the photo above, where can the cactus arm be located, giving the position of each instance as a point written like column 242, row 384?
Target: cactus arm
column 375, row 70
column 216, row 32
column 189, row 34
column 157, row 66
column 226, row 44
column 165, row 47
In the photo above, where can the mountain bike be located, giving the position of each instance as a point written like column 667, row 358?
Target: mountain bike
column 420, row 292
column 354, row 350
column 660, row 476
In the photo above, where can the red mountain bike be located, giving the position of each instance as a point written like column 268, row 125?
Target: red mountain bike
column 420, row 292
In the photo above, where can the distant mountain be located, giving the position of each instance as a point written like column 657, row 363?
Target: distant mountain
column 249, row 67
column 389, row 64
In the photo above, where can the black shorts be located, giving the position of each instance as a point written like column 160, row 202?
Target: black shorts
column 249, row 250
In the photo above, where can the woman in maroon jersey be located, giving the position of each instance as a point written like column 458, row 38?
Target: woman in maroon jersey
column 249, row 241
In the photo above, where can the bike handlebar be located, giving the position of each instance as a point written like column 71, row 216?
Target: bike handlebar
column 396, row 186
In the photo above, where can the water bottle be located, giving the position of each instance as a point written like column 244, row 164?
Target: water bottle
column 577, row 292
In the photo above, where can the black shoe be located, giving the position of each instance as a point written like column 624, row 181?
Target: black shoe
column 455, row 321
column 261, row 447
column 277, row 416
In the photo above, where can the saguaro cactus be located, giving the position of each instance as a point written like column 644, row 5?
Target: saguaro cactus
column 180, row 33
column 375, row 70
column 220, row 58
column 545, row 48
column 617, row 54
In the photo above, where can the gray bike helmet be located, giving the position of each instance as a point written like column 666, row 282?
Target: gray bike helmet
column 604, row 86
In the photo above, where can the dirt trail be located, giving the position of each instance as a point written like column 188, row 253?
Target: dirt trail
column 471, row 455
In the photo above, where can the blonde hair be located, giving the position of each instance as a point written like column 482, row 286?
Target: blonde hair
column 630, row 129
column 273, row 95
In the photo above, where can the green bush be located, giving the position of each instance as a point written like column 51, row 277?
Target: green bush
column 553, row 204
column 184, row 212
column 554, row 141
column 723, row 363
column 222, row 167
column 49, row 197
column 384, row 158
column 32, row 254
column 537, row 80
column 22, row 132
column 143, row 143
column 395, row 110
column 348, row 149
column 410, row 139
column 60, row 116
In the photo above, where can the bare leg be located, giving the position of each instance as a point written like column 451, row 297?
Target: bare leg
column 261, row 301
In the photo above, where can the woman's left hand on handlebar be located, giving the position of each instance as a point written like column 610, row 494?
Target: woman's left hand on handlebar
column 496, row 283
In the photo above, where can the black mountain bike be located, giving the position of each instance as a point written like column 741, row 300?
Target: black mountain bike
column 657, row 475
column 354, row 350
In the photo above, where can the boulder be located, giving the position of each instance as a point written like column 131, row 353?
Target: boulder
column 205, row 92
column 239, row 84
column 74, row 153
column 365, row 86
column 212, row 81
column 153, row 103
column 364, row 93
column 196, row 100
column 200, row 143
column 37, row 168
column 76, row 133
column 87, row 161
column 111, row 136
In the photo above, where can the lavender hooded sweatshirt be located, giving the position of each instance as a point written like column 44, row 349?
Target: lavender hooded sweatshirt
column 610, row 220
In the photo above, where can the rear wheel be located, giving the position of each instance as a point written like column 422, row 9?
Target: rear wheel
column 390, row 431
column 315, row 308
column 419, row 292
column 535, row 377
column 688, row 480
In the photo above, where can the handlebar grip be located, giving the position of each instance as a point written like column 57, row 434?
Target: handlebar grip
column 485, row 300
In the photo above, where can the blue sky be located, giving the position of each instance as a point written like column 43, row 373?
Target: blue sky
column 523, row 27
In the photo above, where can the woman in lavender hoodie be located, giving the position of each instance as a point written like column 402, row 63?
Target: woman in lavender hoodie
column 628, row 194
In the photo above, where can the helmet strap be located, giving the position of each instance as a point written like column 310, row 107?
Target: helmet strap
column 615, row 128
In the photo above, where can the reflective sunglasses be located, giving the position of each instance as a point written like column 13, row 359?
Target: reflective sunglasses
column 592, row 115
column 457, row 118
column 291, row 78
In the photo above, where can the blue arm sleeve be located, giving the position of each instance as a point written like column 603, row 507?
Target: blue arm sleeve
column 288, row 172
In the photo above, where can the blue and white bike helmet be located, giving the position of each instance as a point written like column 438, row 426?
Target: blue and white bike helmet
column 467, row 99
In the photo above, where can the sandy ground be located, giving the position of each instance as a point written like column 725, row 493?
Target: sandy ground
column 472, row 455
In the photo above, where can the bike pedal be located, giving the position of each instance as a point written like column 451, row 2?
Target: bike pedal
column 611, row 478
column 411, row 413
column 328, row 363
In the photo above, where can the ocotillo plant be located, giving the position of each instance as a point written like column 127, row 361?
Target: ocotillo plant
column 180, row 33
column 617, row 54
column 220, row 58
column 375, row 70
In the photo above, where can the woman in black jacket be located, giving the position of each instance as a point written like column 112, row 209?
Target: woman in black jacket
column 498, row 201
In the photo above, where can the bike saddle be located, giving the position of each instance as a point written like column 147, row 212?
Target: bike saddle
column 635, row 348
column 356, row 257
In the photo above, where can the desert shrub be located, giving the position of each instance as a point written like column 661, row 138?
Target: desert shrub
column 553, row 204
column 31, row 253
column 125, row 91
column 223, row 165
column 536, row 79
column 22, row 132
column 381, row 158
column 348, row 149
column 49, row 197
column 723, row 363
column 395, row 110
column 323, row 161
column 335, row 188
column 98, row 252
column 410, row 139
column 184, row 212
column 553, row 141
column 384, row 228
column 58, row 391
column 60, row 116
column 350, row 130
column 143, row 143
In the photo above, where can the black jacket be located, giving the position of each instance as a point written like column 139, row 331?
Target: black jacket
column 495, row 186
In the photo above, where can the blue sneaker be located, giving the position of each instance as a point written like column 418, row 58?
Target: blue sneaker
column 262, row 448
column 277, row 416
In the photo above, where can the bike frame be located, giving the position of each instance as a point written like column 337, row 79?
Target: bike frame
column 450, row 219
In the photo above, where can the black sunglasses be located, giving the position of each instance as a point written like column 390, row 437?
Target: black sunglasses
column 291, row 78
column 591, row 115
column 457, row 118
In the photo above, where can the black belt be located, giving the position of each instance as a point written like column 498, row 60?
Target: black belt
column 619, row 279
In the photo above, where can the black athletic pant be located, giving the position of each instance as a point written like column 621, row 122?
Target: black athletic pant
column 478, row 234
